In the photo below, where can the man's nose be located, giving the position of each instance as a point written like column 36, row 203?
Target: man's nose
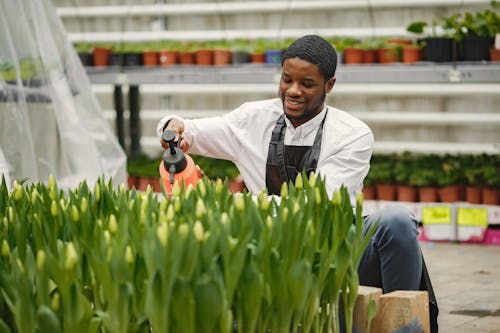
column 294, row 89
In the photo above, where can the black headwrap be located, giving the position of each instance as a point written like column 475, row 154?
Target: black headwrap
column 315, row 50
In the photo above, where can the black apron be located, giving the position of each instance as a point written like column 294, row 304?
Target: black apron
column 284, row 163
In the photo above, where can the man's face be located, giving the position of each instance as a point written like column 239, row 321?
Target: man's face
column 302, row 90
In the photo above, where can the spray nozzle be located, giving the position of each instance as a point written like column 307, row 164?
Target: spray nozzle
column 173, row 158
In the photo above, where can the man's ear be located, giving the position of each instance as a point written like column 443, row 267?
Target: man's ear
column 330, row 83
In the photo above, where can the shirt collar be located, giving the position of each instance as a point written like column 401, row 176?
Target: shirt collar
column 308, row 126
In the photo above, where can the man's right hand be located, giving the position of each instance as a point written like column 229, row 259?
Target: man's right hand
column 176, row 125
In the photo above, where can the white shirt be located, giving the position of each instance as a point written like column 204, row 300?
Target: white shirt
column 243, row 135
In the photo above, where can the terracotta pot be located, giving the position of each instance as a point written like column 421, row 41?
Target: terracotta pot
column 186, row 58
column 386, row 192
column 406, row 193
column 101, row 56
column 427, row 194
column 167, row 57
column 131, row 181
column 386, row 56
column 259, row 58
column 490, row 196
column 222, row 57
column 369, row 56
column 399, row 41
column 494, row 54
column 473, row 194
column 450, row 193
column 369, row 192
column 411, row 54
column 204, row 57
column 353, row 55
column 150, row 58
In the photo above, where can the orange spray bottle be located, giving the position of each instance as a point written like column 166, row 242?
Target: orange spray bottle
column 176, row 166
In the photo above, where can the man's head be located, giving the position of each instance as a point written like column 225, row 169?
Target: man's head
column 308, row 74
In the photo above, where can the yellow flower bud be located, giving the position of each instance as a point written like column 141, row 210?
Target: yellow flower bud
column 112, row 225
column 269, row 222
column 84, row 205
column 183, row 230
column 97, row 192
column 107, row 236
column 318, row 196
column 71, row 257
column 284, row 190
column 312, row 179
column 189, row 189
column 201, row 188
column 170, row 213
column 218, row 185
column 52, row 193
column 299, row 183
column 285, row 214
column 34, row 195
column 20, row 265
column 53, row 209
column 55, row 302
column 11, row 214
column 17, row 191
column 52, row 181
column 176, row 189
column 198, row 231
column 40, row 259
column 296, row 207
column 239, row 202
column 224, row 218
column 336, row 198
column 63, row 204
column 200, row 209
column 5, row 221
column 129, row 257
column 5, row 249
column 359, row 199
column 177, row 205
column 232, row 242
column 75, row 214
column 163, row 204
column 162, row 233
column 265, row 201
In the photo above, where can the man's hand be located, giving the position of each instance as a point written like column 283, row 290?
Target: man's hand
column 176, row 125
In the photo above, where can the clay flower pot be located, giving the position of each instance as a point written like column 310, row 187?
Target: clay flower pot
column 386, row 192
column 353, row 55
column 388, row 55
column 258, row 58
column 473, row 194
column 490, row 196
column 222, row 57
column 186, row 58
column 450, row 193
column 406, row 193
column 411, row 54
column 427, row 194
column 101, row 56
column 369, row 192
column 150, row 58
column 167, row 57
column 204, row 57
column 494, row 54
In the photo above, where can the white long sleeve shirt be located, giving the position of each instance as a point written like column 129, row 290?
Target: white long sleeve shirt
column 243, row 135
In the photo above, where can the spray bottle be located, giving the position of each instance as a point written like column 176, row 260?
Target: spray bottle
column 176, row 167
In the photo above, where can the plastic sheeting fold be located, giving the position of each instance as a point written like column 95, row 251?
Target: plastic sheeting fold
column 50, row 122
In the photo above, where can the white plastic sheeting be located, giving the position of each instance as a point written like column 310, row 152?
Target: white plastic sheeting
column 50, row 122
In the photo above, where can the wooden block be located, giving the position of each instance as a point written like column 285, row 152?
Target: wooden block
column 399, row 308
column 365, row 294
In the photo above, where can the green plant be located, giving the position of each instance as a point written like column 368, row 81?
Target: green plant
column 102, row 259
column 484, row 22
column 450, row 172
column 381, row 169
column 404, row 167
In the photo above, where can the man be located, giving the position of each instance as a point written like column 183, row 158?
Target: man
column 271, row 141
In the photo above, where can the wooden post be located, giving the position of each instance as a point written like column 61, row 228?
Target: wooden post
column 395, row 310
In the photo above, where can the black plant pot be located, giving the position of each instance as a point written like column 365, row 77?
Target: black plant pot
column 241, row 57
column 86, row 58
column 439, row 49
column 475, row 48
column 116, row 59
column 133, row 59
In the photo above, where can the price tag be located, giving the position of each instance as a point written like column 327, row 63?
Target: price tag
column 472, row 216
column 436, row 215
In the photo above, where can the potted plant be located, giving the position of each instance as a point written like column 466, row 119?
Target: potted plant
column 84, row 51
column 241, row 51
column 495, row 50
column 424, row 177
column 381, row 171
column 168, row 53
column 438, row 48
column 489, row 175
column 471, row 166
column 476, row 32
column 100, row 55
column 370, row 48
column 150, row 55
column 221, row 52
column 403, row 168
column 412, row 53
column 450, row 179
column 388, row 52
column 353, row 53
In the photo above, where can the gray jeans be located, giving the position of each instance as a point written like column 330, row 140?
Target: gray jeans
column 392, row 259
